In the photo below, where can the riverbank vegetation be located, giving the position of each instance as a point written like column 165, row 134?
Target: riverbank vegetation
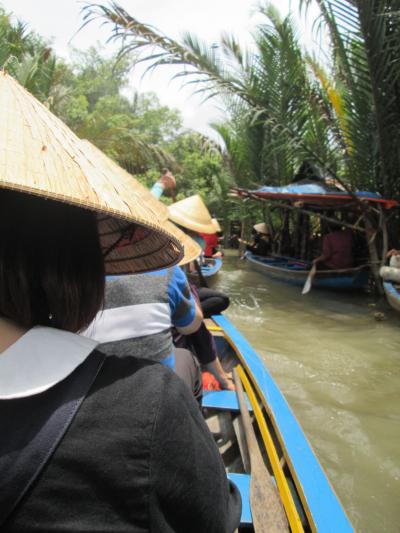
column 282, row 104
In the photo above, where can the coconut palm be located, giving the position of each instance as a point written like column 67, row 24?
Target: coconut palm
column 365, row 36
column 274, row 109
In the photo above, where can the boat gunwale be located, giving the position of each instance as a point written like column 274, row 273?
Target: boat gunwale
column 285, row 424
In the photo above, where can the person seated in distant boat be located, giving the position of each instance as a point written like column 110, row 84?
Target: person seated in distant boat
column 392, row 272
column 261, row 242
column 337, row 250
column 212, row 241
column 211, row 245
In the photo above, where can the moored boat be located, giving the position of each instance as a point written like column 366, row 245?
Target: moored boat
column 392, row 293
column 211, row 267
column 295, row 272
column 298, row 480
column 209, row 270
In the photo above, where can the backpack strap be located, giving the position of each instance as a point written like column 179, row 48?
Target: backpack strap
column 33, row 427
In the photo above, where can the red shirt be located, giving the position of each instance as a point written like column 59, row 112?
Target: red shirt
column 337, row 248
column 211, row 240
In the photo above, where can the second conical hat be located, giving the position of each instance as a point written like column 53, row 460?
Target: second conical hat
column 40, row 155
column 192, row 213
column 261, row 228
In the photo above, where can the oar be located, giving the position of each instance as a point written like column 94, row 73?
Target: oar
column 309, row 280
column 202, row 279
column 266, row 508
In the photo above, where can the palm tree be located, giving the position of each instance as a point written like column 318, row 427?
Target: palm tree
column 274, row 109
column 365, row 36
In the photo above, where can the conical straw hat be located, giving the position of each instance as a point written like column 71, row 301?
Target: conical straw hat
column 261, row 228
column 191, row 213
column 217, row 227
column 40, row 155
column 191, row 249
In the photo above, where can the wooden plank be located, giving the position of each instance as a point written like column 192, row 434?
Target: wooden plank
column 241, row 438
column 266, row 507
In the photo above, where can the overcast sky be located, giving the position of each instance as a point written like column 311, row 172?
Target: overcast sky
column 60, row 20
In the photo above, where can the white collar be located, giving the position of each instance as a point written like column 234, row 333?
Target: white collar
column 40, row 359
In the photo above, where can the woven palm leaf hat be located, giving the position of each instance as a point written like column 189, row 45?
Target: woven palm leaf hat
column 191, row 249
column 191, row 213
column 40, row 155
column 261, row 228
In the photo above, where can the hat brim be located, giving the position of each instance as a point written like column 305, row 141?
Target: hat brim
column 40, row 155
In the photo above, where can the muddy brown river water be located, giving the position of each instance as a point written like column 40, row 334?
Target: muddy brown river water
column 339, row 369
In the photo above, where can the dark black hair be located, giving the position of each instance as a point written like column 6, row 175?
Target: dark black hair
column 51, row 265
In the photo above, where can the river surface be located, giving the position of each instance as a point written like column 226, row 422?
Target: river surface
column 339, row 369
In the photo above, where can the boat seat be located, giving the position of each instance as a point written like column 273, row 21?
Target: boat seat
column 242, row 481
column 223, row 399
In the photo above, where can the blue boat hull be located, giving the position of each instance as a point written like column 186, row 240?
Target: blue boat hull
column 392, row 295
column 322, row 510
column 211, row 267
column 295, row 272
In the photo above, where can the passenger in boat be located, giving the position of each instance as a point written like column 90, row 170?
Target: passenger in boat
column 337, row 250
column 261, row 242
column 202, row 343
column 138, row 315
column 212, row 241
column 89, row 442
column 211, row 245
column 165, row 182
column 392, row 272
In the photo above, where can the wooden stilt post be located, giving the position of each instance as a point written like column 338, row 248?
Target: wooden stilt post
column 373, row 252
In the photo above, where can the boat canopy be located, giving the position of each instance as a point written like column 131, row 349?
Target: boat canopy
column 315, row 193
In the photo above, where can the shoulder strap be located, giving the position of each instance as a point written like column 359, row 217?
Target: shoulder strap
column 34, row 427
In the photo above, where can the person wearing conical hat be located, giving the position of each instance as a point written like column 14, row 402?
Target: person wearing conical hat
column 192, row 215
column 140, row 310
column 212, row 240
column 165, row 182
column 261, row 242
column 65, row 220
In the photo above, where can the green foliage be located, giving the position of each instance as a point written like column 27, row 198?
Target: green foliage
column 365, row 38
column 281, row 108
column 91, row 95
column 26, row 56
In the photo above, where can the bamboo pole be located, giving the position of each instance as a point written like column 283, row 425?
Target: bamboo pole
column 309, row 213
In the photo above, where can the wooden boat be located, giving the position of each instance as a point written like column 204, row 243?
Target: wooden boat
column 289, row 463
column 211, row 267
column 392, row 294
column 209, row 270
column 296, row 271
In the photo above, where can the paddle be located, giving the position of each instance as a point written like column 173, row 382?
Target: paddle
column 202, row 279
column 309, row 280
column 266, row 507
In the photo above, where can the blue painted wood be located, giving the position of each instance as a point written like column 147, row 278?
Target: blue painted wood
column 392, row 294
column 209, row 270
column 326, row 511
column 224, row 399
column 295, row 272
column 242, row 481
